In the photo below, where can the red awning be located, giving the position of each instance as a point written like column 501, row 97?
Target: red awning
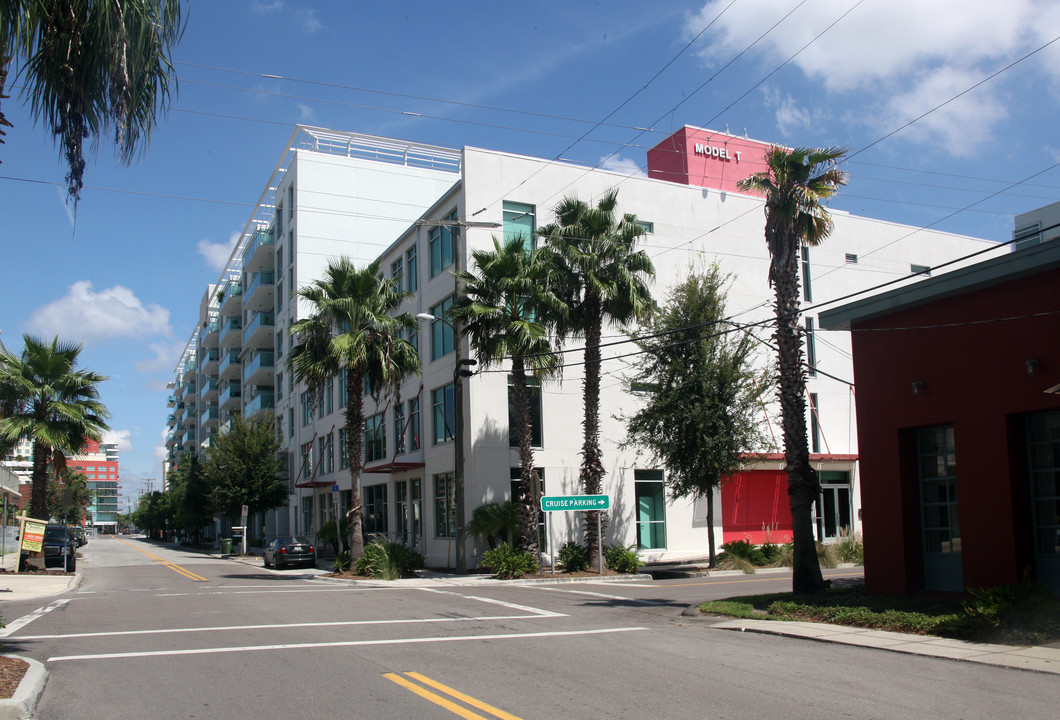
column 314, row 484
column 393, row 467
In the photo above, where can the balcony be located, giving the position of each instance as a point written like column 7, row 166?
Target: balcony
column 259, row 255
column 232, row 332
column 171, row 440
column 231, row 366
column 260, row 291
column 209, row 360
column 262, row 400
column 209, row 333
column 209, row 388
column 258, row 368
column 231, row 397
column 258, row 332
column 232, row 303
column 208, row 417
column 190, row 445
column 189, row 370
column 171, row 420
column 189, row 422
column 172, row 401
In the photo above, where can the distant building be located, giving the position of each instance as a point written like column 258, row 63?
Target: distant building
column 1037, row 226
column 99, row 463
column 959, row 425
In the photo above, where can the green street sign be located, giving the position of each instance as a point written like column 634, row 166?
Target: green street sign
column 561, row 503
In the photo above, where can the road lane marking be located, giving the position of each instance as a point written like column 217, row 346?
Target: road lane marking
column 604, row 596
column 25, row 620
column 502, row 603
column 452, row 692
column 172, row 566
column 344, row 643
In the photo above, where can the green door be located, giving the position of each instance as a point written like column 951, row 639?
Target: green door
column 939, row 517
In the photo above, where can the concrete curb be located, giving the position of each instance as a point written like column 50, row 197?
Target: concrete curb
column 22, row 703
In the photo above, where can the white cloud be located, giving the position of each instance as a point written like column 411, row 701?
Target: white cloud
column 311, row 21
column 626, row 166
column 164, row 356
column 160, row 450
column 121, row 438
column 305, row 113
column 790, row 116
column 906, row 56
column 217, row 254
column 86, row 316
column 266, row 7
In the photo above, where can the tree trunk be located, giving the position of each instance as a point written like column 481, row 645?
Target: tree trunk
column 802, row 485
column 592, row 468
column 38, row 503
column 355, row 457
column 528, row 502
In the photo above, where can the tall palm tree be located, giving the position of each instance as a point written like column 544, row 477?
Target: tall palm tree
column 795, row 187
column 91, row 66
column 504, row 310
column 58, row 407
column 603, row 278
column 351, row 329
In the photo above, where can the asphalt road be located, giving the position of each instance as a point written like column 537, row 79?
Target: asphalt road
column 155, row 632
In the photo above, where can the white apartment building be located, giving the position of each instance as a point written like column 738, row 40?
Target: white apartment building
column 324, row 206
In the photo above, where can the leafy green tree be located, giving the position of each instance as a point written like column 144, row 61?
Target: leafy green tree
column 602, row 278
column 90, row 67
column 56, row 407
column 69, row 510
column 796, row 185
column 351, row 329
column 504, row 309
column 702, row 392
column 190, row 493
column 154, row 513
column 243, row 467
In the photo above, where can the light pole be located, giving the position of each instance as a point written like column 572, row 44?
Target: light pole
column 460, row 371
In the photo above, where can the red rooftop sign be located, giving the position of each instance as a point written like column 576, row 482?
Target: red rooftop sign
column 706, row 158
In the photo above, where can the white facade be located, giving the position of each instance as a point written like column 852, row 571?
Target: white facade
column 358, row 207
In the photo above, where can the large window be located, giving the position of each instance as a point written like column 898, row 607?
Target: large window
column 397, row 273
column 375, row 438
column 938, row 490
column 343, row 397
column 534, row 390
column 811, row 349
column 442, row 337
column 444, row 505
column 519, row 222
column 407, row 504
column 399, row 428
column 307, row 460
column 412, row 433
column 807, row 292
column 307, row 515
column 327, row 453
column 443, row 413
column 344, row 458
column 411, row 282
column 815, row 425
column 407, row 428
column 651, row 509
column 375, row 509
column 442, row 246
column 307, row 408
column 329, row 394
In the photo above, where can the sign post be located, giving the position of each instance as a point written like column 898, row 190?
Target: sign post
column 568, row 503
column 245, row 511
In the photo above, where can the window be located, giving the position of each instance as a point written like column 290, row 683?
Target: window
column 279, row 220
column 442, row 337
column 375, row 438
column 397, row 272
column 320, row 406
column 344, row 458
column 327, row 451
column 1026, row 236
column 411, row 283
column 851, row 259
column 307, row 459
column 807, row 293
column 375, row 509
column 290, row 422
column 920, row 269
column 938, row 490
column 399, row 428
column 412, row 434
column 409, row 526
column 444, row 506
column 442, row 246
column 329, row 394
column 343, row 397
column 651, row 509
column 647, row 227
column 307, row 515
column 519, row 222
column 815, row 425
column 811, row 349
column 413, row 337
column 279, row 386
column 533, row 388
column 442, row 411
column 307, row 408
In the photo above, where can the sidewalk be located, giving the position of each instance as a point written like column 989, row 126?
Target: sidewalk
column 27, row 587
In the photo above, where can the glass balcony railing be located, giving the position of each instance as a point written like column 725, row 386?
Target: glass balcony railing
column 265, row 278
column 261, row 401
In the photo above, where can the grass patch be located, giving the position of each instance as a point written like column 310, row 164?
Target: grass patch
column 1028, row 619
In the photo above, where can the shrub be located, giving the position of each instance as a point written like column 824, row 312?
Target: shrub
column 728, row 561
column 388, row 561
column 744, row 550
column 508, row 563
column 329, row 535
column 849, row 548
column 622, row 559
column 573, row 557
column 342, row 562
column 770, row 553
column 990, row 605
column 826, row 556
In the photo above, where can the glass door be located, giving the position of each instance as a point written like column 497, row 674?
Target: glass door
column 939, row 517
column 1043, row 441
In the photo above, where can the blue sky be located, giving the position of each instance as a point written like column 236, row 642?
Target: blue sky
column 563, row 79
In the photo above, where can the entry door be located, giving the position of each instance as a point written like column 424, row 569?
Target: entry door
column 833, row 505
column 939, row 518
column 1043, row 440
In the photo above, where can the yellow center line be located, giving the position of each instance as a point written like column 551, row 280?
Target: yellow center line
column 172, row 566
column 445, row 703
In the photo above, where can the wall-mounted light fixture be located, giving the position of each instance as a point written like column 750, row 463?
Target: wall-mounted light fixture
column 918, row 387
column 1032, row 366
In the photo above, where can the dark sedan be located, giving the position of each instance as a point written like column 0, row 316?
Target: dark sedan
column 285, row 551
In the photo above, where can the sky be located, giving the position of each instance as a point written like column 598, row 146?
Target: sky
column 947, row 108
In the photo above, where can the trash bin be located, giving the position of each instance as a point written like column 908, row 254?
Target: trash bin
column 226, row 546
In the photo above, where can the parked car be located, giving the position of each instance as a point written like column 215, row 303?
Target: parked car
column 284, row 551
column 60, row 548
column 80, row 536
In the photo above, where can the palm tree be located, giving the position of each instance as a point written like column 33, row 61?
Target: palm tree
column 504, row 309
column 795, row 186
column 91, row 66
column 603, row 279
column 57, row 407
column 351, row 329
